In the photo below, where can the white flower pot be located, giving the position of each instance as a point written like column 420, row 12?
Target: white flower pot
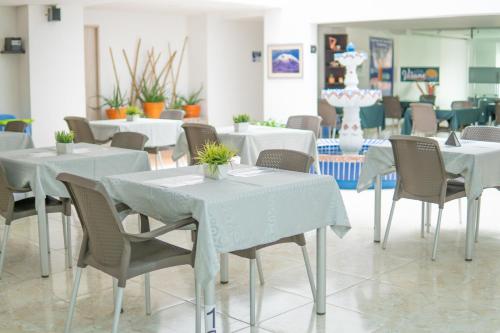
column 133, row 117
column 64, row 148
column 220, row 172
column 241, row 127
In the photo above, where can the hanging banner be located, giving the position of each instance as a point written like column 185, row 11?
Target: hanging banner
column 382, row 64
column 423, row 74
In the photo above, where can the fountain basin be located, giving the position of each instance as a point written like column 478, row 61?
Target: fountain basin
column 352, row 98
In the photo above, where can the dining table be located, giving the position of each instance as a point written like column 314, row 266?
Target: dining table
column 473, row 161
column 249, row 144
column 39, row 167
column 252, row 206
column 457, row 118
column 14, row 140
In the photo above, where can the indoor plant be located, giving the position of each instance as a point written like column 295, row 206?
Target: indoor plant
column 153, row 99
column 215, row 158
column 116, row 104
column 241, row 122
column 64, row 142
column 192, row 104
column 133, row 113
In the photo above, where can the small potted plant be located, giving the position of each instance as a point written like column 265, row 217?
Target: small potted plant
column 64, row 142
column 192, row 104
column 241, row 122
column 133, row 113
column 115, row 105
column 153, row 99
column 216, row 159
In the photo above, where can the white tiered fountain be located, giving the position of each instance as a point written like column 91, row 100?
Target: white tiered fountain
column 351, row 99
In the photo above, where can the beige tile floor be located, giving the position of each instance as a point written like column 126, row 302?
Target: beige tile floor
column 369, row 290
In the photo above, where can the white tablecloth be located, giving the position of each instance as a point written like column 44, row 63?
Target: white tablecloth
column 237, row 212
column 160, row 132
column 248, row 145
column 39, row 167
column 14, row 140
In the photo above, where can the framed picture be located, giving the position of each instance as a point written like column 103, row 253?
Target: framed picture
column 285, row 61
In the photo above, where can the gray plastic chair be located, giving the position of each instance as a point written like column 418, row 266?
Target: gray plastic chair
column 16, row 126
column 12, row 210
column 173, row 114
column 129, row 140
column 429, row 99
column 284, row 160
column 424, row 119
column 83, row 133
column 393, row 110
column 107, row 247
column 306, row 122
column 481, row 133
column 328, row 116
column 421, row 176
column 197, row 135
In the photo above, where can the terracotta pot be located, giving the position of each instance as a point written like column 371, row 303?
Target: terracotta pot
column 113, row 113
column 153, row 110
column 192, row 111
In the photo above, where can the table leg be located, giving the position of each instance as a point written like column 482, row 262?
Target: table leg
column 210, row 325
column 378, row 200
column 317, row 167
column 428, row 217
column 224, row 268
column 321, row 271
column 470, row 228
column 43, row 243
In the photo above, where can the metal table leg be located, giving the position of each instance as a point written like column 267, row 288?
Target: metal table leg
column 470, row 229
column 210, row 325
column 224, row 268
column 378, row 200
column 42, row 239
column 321, row 271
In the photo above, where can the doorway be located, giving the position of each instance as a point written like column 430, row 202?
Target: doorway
column 92, row 73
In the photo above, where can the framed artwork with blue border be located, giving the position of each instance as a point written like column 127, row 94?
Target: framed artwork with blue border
column 285, row 61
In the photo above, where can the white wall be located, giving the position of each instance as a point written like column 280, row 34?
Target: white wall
column 9, row 64
column 286, row 97
column 197, row 58
column 121, row 30
column 235, row 83
column 56, row 70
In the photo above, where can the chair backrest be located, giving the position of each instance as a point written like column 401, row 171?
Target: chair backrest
column 306, row 122
column 81, row 128
column 173, row 114
column 129, row 140
column 16, row 126
column 431, row 99
column 420, row 169
column 424, row 118
column 481, row 133
column 392, row 107
column 497, row 113
column 102, row 229
column 197, row 136
column 285, row 159
column 6, row 195
column 458, row 105
column 327, row 113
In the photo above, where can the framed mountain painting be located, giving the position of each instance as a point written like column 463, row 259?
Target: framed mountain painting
column 285, row 61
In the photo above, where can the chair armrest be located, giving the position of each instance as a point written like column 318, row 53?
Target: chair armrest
column 102, row 142
column 19, row 189
column 145, row 236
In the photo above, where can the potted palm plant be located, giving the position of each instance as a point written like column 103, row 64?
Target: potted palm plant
column 64, row 142
column 192, row 104
column 115, row 104
column 153, row 99
column 133, row 113
column 216, row 159
column 241, row 123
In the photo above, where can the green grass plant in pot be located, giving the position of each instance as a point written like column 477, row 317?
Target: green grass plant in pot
column 116, row 104
column 192, row 104
column 133, row 113
column 153, row 99
column 64, row 142
column 241, row 123
column 216, row 160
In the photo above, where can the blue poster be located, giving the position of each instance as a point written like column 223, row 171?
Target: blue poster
column 382, row 64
